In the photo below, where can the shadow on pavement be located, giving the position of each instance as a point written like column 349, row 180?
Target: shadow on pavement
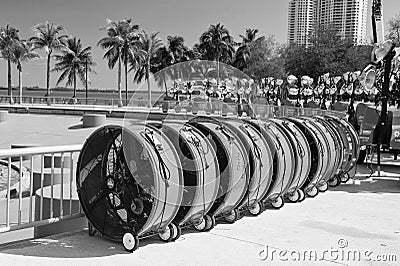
column 75, row 127
column 372, row 185
column 76, row 245
column 367, row 181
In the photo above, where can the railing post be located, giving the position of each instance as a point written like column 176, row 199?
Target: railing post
column 41, row 186
column 20, row 191
column 71, row 179
column 62, row 186
column 8, row 193
column 51, row 186
column 31, row 189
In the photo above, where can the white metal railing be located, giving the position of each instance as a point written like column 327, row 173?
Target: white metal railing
column 35, row 161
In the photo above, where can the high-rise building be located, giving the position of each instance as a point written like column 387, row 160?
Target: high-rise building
column 348, row 16
column 301, row 18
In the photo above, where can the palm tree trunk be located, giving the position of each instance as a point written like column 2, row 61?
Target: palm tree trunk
column 119, row 83
column 148, row 81
column 126, row 81
column 74, row 85
column 218, row 71
column 48, row 76
column 20, row 85
column 9, row 81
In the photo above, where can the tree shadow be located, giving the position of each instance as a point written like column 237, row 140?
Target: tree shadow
column 370, row 185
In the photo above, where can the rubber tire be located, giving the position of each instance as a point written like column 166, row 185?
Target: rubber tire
column 200, row 226
column 232, row 217
column 335, row 182
column 344, row 178
column 277, row 204
column 127, row 242
column 170, row 228
column 314, row 191
column 295, row 197
column 177, row 232
column 302, row 195
column 210, row 222
column 256, row 209
column 324, row 187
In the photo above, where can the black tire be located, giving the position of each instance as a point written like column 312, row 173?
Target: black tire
column 324, row 187
column 278, row 203
column 169, row 234
column 313, row 192
column 302, row 195
column 256, row 209
column 344, row 178
column 210, row 222
column 335, row 181
column 232, row 217
column 294, row 197
column 178, row 232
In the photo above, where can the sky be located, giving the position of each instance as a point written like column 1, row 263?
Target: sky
column 187, row 18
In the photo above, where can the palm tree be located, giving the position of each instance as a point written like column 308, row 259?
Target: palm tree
column 73, row 61
column 48, row 37
column 22, row 51
column 178, row 51
column 243, row 53
column 216, row 44
column 150, row 44
column 8, row 37
column 121, row 44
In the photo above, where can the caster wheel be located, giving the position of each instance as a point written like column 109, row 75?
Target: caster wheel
column 201, row 226
column 177, row 231
column 278, row 203
column 294, row 197
column 312, row 192
column 335, row 181
column 232, row 216
column 256, row 209
column 167, row 233
column 323, row 187
column 210, row 222
column 344, row 178
column 130, row 242
column 92, row 230
column 302, row 195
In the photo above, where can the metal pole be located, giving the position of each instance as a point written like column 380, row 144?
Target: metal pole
column 384, row 99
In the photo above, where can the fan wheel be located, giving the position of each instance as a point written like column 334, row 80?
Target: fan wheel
column 130, row 242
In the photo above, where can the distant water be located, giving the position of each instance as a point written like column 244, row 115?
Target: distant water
column 4, row 176
column 81, row 94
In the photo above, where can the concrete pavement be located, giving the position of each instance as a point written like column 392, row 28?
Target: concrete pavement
column 360, row 217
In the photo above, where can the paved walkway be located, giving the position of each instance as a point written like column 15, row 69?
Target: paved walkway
column 360, row 218
column 44, row 130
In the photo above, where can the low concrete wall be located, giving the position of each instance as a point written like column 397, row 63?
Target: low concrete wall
column 3, row 115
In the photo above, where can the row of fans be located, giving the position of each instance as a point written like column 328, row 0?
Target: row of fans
column 140, row 180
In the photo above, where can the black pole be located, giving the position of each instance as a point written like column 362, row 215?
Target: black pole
column 384, row 98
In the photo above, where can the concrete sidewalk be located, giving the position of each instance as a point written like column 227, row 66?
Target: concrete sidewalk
column 361, row 218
